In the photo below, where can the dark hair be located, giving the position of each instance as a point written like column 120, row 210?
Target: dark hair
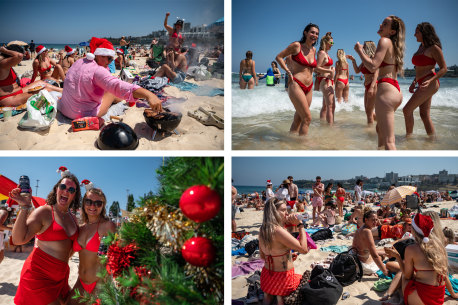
column 318, row 177
column 329, row 185
column 99, row 192
column 368, row 214
column 339, row 184
column 429, row 35
column 249, row 55
column 358, row 181
column 179, row 22
column 15, row 48
column 183, row 49
column 307, row 29
column 276, row 66
column 289, row 177
column 51, row 200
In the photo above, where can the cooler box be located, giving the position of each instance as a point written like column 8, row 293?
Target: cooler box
column 452, row 255
column 128, row 75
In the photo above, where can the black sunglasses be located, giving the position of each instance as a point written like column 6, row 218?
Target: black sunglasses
column 71, row 189
column 110, row 59
column 89, row 202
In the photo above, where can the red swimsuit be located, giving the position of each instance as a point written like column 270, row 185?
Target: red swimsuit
column 11, row 79
column 300, row 59
column 328, row 64
column 421, row 60
column 387, row 79
column 344, row 81
column 365, row 71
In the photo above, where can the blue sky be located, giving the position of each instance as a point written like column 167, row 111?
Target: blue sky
column 114, row 175
column 56, row 21
column 256, row 170
column 267, row 27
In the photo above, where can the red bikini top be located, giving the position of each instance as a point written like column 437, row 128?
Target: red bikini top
column 422, row 60
column 175, row 35
column 11, row 79
column 55, row 231
column 384, row 64
column 45, row 69
column 300, row 59
column 330, row 62
column 92, row 245
column 364, row 70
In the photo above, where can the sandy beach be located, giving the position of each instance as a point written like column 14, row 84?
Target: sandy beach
column 192, row 135
column 360, row 292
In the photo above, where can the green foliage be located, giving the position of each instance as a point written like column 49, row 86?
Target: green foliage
column 114, row 209
column 130, row 203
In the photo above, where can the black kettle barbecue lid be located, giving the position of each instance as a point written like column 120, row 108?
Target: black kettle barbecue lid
column 117, row 136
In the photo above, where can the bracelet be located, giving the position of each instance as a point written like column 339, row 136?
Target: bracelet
column 301, row 224
column 25, row 208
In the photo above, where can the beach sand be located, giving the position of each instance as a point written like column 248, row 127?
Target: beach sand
column 191, row 134
column 360, row 292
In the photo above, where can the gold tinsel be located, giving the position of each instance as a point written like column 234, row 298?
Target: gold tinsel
column 208, row 280
column 165, row 222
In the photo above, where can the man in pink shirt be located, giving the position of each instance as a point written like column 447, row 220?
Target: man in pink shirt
column 90, row 89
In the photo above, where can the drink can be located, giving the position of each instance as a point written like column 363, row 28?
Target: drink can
column 24, row 185
column 345, row 295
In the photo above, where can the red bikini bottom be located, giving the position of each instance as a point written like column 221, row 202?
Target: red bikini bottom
column 390, row 81
column 305, row 89
column 319, row 78
column 344, row 81
column 420, row 81
column 88, row 287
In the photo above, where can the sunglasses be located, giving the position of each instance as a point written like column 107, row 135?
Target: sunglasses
column 89, row 202
column 110, row 59
column 71, row 189
column 331, row 43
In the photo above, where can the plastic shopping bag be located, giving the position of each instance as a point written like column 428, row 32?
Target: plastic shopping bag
column 41, row 111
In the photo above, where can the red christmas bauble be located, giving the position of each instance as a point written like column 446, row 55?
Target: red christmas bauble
column 200, row 203
column 198, row 251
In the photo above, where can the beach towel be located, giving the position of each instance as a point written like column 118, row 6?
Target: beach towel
column 240, row 251
column 153, row 84
column 382, row 285
column 247, row 267
column 115, row 110
column 454, row 283
column 15, row 111
column 348, row 228
column 43, row 279
column 336, row 249
column 279, row 282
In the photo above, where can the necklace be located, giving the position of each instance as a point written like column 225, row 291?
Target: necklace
column 91, row 223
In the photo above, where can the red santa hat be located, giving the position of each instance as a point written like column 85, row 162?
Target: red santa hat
column 120, row 51
column 69, row 50
column 269, row 182
column 40, row 49
column 63, row 171
column 87, row 184
column 423, row 225
column 100, row 46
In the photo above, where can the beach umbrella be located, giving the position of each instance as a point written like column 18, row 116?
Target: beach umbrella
column 18, row 42
column 397, row 194
column 84, row 44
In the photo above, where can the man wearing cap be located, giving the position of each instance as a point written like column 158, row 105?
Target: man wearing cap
column 269, row 191
column 90, row 89
column 317, row 200
column 292, row 189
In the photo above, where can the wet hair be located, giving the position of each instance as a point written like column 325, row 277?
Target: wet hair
column 307, row 29
column 15, row 48
column 367, row 213
column 339, row 184
column 398, row 40
column 75, row 204
column 248, row 55
column 271, row 219
column 429, row 35
column 99, row 192
column 324, row 40
column 449, row 235
column 369, row 48
column 358, row 181
column 276, row 66
column 341, row 57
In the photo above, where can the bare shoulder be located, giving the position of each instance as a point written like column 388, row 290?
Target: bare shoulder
column 109, row 226
column 385, row 42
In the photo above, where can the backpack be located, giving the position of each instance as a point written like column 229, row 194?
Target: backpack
column 347, row 268
column 322, row 234
column 323, row 288
column 252, row 246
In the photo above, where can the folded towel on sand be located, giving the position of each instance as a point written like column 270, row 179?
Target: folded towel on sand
column 247, row 267
column 336, row 249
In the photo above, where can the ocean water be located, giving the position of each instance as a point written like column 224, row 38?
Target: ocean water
column 261, row 119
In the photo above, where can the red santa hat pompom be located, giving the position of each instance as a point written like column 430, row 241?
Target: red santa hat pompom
column 40, row 49
column 100, row 46
column 69, row 50
column 63, row 171
column 423, row 225
column 87, row 184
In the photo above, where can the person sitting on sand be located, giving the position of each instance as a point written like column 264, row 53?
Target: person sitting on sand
column 357, row 216
column 95, row 225
column 15, row 92
column 450, row 236
column 175, row 68
column 69, row 59
column 175, row 38
column 275, row 243
column 42, row 65
column 424, row 267
column 90, row 89
column 44, row 275
column 395, row 232
column 300, row 206
column 364, row 247
column 327, row 217
column 119, row 61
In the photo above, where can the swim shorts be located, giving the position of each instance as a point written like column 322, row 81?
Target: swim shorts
column 180, row 77
column 317, row 202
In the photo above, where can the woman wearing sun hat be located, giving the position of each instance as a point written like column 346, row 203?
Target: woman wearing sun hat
column 90, row 89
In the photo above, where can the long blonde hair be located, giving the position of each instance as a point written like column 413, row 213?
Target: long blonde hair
column 369, row 48
column 324, row 40
column 398, row 40
column 341, row 57
column 433, row 250
column 271, row 219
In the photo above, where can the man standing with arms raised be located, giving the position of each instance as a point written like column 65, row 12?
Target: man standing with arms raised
column 317, row 201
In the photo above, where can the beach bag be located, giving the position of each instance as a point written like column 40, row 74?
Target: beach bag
column 41, row 111
column 322, row 234
column 296, row 298
column 252, row 246
column 347, row 268
column 323, row 288
column 87, row 123
column 444, row 213
column 348, row 228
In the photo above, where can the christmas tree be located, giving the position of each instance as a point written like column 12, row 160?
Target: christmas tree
column 171, row 249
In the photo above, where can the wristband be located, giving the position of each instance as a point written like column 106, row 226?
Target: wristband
column 25, row 207
column 300, row 225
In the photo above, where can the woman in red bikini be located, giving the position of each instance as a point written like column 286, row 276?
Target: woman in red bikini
column 15, row 92
column 44, row 275
column 275, row 243
column 342, row 75
column 175, row 37
column 370, row 81
column 428, row 54
column 42, row 65
column 325, row 78
column 389, row 60
column 425, row 265
column 340, row 194
column 300, row 76
column 95, row 225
